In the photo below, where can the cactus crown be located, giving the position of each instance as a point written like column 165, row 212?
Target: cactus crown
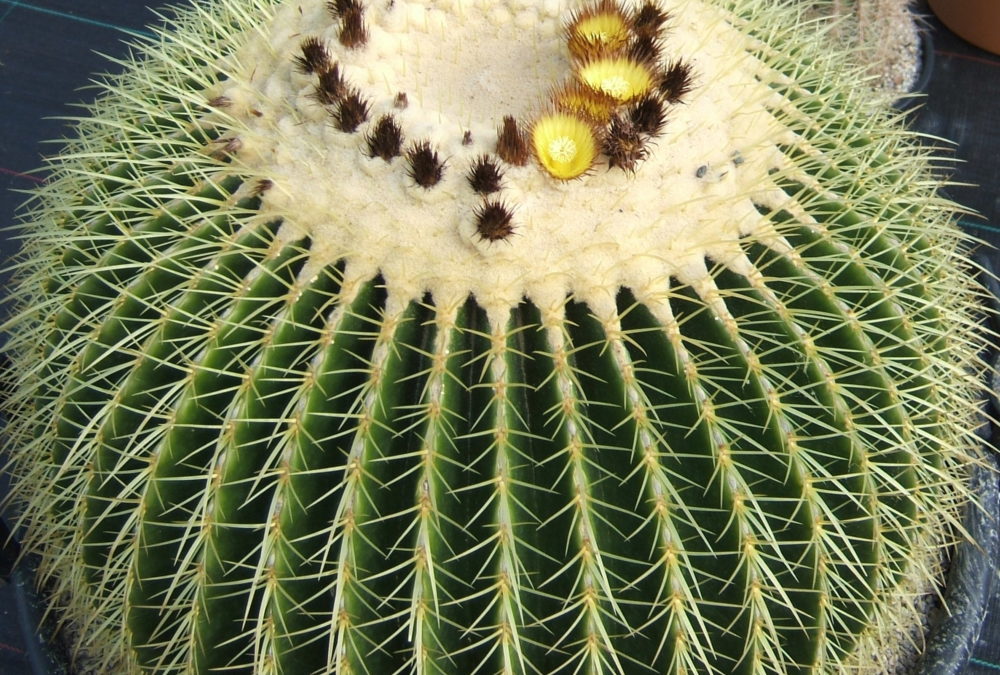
column 479, row 336
column 470, row 83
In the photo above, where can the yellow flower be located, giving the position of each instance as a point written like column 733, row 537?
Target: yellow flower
column 566, row 146
column 621, row 78
column 598, row 28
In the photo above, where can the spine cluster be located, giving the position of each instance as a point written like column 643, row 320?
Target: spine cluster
column 616, row 101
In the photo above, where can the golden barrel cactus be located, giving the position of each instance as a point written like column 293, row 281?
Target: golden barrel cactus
column 490, row 336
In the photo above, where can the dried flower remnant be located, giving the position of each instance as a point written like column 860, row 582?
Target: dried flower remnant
column 385, row 139
column 262, row 186
column 485, row 175
column 314, row 58
column 338, row 8
column 425, row 167
column 623, row 144
column 674, row 81
column 646, row 49
column 353, row 31
column 351, row 111
column 649, row 19
column 494, row 220
column 331, row 86
column 648, row 115
column 227, row 147
column 512, row 142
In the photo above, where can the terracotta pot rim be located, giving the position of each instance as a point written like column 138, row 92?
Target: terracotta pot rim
column 976, row 21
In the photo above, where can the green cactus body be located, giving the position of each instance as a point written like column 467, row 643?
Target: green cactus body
column 299, row 391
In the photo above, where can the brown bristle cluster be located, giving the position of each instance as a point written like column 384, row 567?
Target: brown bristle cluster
column 315, row 58
column 512, row 142
column 425, row 168
column 261, row 186
column 649, row 19
column 220, row 102
column 351, row 111
column 353, row 31
column 331, row 86
column 645, row 49
column 624, row 145
column 648, row 115
column 227, row 147
column 467, row 137
column 401, row 101
column 338, row 8
column 494, row 220
column 385, row 139
column 675, row 81
column 485, row 175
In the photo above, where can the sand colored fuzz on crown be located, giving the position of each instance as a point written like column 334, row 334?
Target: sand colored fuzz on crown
column 463, row 66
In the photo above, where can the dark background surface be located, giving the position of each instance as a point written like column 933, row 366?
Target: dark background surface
column 50, row 48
